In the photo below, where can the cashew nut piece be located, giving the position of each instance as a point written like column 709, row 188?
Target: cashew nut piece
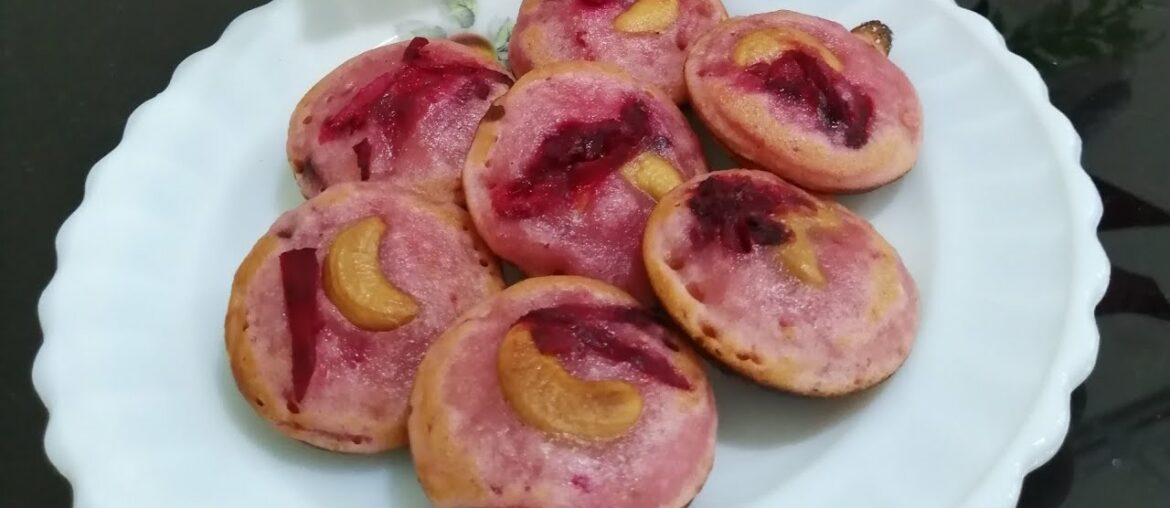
column 767, row 45
column 647, row 16
column 652, row 174
column 355, row 284
column 548, row 397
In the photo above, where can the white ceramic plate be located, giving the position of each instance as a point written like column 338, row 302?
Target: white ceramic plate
column 997, row 223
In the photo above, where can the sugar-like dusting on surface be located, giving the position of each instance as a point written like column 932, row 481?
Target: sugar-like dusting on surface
column 662, row 455
column 404, row 113
column 852, row 325
column 890, row 93
column 597, row 234
column 361, row 375
column 584, row 30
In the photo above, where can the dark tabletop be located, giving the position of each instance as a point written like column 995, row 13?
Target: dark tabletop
column 72, row 71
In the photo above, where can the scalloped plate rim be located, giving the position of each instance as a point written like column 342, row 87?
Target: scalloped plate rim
column 1038, row 439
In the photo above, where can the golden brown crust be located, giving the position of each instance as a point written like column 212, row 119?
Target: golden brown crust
column 530, row 56
column 528, row 5
column 686, row 498
column 485, row 137
column 671, row 292
column 441, row 466
column 236, row 336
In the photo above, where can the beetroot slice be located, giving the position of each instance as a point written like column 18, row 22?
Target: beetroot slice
column 574, row 160
column 844, row 109
column 569, row 330
column 300, row 276
column 738, row 212
column 395, row 101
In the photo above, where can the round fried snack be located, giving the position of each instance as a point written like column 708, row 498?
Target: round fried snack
column 332, row 311
column 796, row 293
column 646, row 38
column 566, row 167
column 562, row 392
column 806, row 99
column 403, row 113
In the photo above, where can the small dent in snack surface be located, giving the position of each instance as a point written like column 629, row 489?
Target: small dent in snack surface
column 583, row 44
column 494, row 113
column 581, row 482
column 887, row 284
column 308, row 173
column 362, row 151
column 749, row 357
column 696, row 291
column 356, row 439
column 709, row 331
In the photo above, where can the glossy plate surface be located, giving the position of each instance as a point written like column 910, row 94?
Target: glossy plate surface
column 996, row 222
